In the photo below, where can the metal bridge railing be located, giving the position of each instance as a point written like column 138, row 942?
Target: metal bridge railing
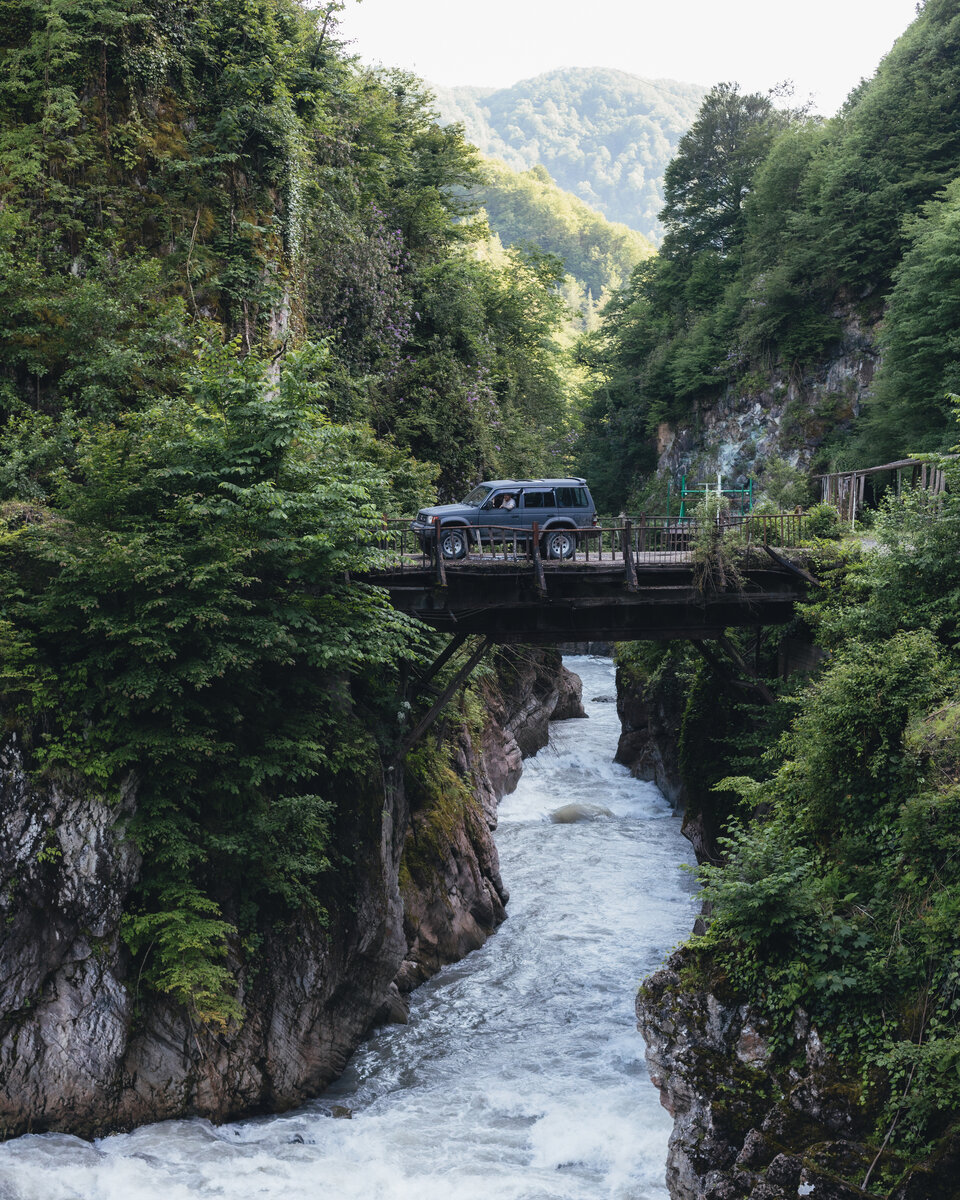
column 643, row 539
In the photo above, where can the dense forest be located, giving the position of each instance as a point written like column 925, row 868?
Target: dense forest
column 782, row 230
column 601, row 134
column 245, row 309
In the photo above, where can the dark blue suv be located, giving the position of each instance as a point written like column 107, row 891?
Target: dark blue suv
column 557, row 507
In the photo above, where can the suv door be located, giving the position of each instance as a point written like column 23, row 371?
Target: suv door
column 540, row 505
column 491, row 513
column 574, row 501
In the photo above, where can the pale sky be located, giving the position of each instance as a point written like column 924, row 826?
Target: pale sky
column 824, row 46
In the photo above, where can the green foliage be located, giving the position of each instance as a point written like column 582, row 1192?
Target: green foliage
column 666, row 340
column 529, row 207
column 177, row 528
column 840, row 897
column 914, row 582
column 786, row 486
column 822, row 521
column 90, row 343
column 183, row 616
column 781, row 229
column 603, row 135
column 183, row 945
column 910, row 409
column 483, row 393
column 712, row 172
column 895, row 145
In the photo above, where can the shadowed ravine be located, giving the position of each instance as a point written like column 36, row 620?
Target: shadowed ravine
column 521, row 1074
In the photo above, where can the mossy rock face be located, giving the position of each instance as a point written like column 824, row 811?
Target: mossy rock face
column 740, row 1097
column 441, row 803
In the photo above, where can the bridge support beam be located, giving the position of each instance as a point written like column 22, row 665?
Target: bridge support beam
column 452, row 646
column 441, row 702
column 753, row 681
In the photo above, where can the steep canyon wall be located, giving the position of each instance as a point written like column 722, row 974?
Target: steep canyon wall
column 85, row 1048
column 783, row 413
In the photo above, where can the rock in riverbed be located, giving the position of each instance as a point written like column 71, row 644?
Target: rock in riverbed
column 569, row 814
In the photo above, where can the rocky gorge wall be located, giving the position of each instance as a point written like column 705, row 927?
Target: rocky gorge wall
column 778, row 414
column 85, row 1049
column 453, row 896
column 751, row 1124
column 650, row 720
column 752, row 1121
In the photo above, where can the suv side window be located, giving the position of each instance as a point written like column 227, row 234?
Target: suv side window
column 572, row 497
column 538, row 499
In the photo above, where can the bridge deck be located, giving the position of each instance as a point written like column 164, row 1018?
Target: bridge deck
column 546, row 602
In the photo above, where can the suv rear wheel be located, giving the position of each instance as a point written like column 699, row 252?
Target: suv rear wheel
column 559, row 543
column 453, row 542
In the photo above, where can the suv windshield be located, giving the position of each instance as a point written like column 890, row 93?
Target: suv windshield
column 478, row 495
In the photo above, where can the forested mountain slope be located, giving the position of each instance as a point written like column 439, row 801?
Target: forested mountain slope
column 528, row 209
column 797, row 253
column 604, row 135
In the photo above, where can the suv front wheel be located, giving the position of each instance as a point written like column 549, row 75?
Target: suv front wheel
column 453, row 542
column 559, row 543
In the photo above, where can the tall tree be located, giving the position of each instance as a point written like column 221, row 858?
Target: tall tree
column 711, row 174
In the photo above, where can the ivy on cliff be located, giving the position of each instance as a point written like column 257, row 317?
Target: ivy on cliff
column 178, row 524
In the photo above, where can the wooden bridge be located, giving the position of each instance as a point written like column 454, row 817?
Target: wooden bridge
column 642, row 579
column 639, row 580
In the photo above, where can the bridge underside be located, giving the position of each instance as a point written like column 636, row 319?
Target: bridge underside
column 589, row 602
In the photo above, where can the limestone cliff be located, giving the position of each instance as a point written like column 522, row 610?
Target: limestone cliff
column 782, row 414
column 85, row 1049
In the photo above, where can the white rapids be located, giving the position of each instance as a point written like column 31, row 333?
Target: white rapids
column 521, row 1075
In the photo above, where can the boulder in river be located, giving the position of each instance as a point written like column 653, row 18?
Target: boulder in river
column 569, row 814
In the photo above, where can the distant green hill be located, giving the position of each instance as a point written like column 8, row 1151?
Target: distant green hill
column 528, row 206
column 602, row 134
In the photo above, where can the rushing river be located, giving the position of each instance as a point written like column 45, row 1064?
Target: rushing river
column 521, row 1074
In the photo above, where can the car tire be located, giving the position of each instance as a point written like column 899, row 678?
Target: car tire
column 559, row 543
column 453, row 542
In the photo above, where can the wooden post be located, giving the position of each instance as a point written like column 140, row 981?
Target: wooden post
column 629, row 570
column 431, row 715
column 539, row 579
column 440, row 570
